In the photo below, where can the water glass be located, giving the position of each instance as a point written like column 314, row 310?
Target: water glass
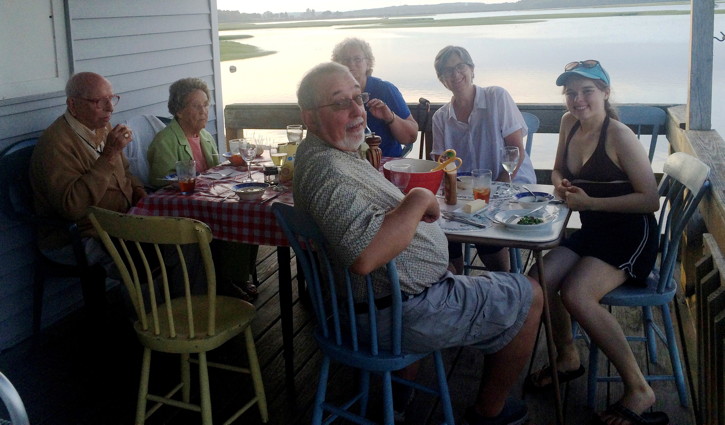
column 481, row 184
column 186, row 175
column 294, row 133
column 400, row 175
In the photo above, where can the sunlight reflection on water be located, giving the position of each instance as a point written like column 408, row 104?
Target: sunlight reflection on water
column 523, row 58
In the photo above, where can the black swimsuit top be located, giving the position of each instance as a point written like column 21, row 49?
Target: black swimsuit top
column 599, row 176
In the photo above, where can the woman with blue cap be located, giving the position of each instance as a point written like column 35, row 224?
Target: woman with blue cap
column 602, row 171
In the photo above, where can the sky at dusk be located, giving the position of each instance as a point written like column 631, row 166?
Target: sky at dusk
column 278, row 6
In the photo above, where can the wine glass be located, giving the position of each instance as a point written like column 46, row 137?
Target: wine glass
column 248, row 152
column 509, row 161
column 294, row 133
column 400, row 175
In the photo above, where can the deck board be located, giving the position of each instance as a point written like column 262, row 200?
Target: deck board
column 75, row 376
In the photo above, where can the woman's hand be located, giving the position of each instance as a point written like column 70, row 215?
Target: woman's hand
column 380, row 110
column 577, row 199
column 561, row 188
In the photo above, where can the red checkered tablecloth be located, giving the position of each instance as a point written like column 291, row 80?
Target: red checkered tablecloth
column 214, row 203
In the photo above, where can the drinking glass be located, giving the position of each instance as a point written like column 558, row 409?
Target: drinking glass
column 294, row 133
column 249, row 152
column 509, row 160
column 277, row 156
column 186, row 175
column 400, row 175
column 481, row 184
column 236, row 157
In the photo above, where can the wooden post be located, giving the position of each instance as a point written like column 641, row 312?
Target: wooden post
column 699, row 97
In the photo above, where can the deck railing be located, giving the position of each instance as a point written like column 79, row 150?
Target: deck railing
column 709, row 372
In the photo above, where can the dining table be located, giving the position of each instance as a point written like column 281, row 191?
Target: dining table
column 215, row 203
column 497, row 225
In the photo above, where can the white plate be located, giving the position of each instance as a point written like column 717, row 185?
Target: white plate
column 548, row 214
column 169, row 178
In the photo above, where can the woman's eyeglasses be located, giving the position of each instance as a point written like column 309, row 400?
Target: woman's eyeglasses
column 343, row 104
column 448, row 71
column 589, row 63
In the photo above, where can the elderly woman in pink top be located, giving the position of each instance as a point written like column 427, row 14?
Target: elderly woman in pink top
column 185, row 138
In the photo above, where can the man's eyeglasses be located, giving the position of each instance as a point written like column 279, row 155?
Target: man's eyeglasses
column 103, row 101
column 343, row 104
column 589, row 63
column 460, row 68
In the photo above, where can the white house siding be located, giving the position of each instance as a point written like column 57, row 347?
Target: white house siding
column 142, row 47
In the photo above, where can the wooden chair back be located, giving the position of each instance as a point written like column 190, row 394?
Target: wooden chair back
column 146, row 247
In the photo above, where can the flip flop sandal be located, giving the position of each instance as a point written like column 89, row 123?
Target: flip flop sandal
column 645, row 418
column 250, row 289
column 532, row 382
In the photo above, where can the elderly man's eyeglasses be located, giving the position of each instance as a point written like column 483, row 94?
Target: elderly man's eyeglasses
column 343, row 104
column 448, row 71
column 102, row 101
column 589, row 63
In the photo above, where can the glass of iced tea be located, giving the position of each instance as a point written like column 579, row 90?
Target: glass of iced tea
column 481, row 184
column 186, row 175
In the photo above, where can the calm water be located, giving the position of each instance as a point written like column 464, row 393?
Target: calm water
column 647, row 58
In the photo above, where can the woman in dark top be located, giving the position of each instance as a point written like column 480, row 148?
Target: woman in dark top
column 602, row 171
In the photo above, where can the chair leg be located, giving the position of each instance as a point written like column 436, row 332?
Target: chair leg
column 364, row 391
column 443, row 388
column 674, row 355
column 186, row 377
column 38, row 289
column 321, row 390
column 256, row 373
column 515, row 260
column 592, row 376
column 388, row 415
column 649, row 333
column 143, row 387
column 467, row 259
column 205, row 401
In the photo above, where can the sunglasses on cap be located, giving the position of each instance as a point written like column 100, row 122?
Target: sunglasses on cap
column 589, row 63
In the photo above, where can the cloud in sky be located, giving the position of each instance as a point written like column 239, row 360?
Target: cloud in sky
column 278, row 6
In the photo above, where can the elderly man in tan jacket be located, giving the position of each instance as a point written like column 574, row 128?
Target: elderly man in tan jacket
column 79, row 162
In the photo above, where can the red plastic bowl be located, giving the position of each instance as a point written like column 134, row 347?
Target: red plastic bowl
column 420, row 174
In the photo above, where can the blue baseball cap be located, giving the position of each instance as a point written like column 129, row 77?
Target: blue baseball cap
column 590, row 68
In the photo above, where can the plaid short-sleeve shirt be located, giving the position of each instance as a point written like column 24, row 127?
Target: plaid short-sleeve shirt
column 348, row 200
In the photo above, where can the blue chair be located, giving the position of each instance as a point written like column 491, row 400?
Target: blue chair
column 337, row 327
column 639, row 118
column 14, row 405
column 16, row 204
column 683, row 185
column 533, row 123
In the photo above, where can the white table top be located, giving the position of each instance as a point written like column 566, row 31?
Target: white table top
column 497, row 234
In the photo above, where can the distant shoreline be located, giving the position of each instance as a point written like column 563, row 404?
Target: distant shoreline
column 246, row 51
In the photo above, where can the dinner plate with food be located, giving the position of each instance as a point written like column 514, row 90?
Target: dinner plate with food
column 527, row 219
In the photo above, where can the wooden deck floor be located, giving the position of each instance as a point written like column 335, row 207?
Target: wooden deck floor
column 87, row 374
